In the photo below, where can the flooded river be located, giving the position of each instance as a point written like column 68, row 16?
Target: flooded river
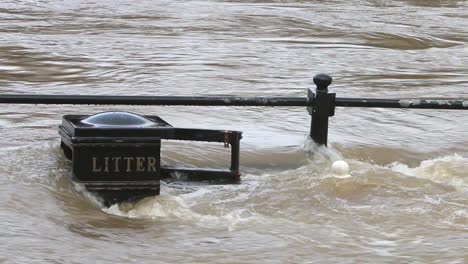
column 406, row 200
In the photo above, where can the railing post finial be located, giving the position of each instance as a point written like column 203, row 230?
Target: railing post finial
column 322, row 81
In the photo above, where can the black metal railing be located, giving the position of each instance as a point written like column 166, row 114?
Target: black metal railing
column 153, row 100
column 320, row 102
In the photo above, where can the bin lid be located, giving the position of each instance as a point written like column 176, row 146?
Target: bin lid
column 117, row 119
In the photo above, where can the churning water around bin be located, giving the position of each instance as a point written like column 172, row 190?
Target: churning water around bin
column 406, row 199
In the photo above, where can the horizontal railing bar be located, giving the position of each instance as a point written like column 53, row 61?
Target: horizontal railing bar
column 403, row 103
column 227, row 101
column 153, row 100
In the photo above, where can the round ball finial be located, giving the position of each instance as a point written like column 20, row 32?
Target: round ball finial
column 322, row 81
column 340, row 169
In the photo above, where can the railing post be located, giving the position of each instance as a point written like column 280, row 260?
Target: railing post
column 235, row 145
column 323, row 107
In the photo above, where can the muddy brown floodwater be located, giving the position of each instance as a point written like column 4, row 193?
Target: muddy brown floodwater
column 406, row 201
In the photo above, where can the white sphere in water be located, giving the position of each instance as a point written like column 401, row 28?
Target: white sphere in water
column 340, row 169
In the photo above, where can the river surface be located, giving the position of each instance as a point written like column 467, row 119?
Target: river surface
column 405, row 202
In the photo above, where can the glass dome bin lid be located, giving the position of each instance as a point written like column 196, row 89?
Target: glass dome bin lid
column 117, row 119
column 114, row 124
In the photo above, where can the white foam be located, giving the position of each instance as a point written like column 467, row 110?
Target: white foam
column 166, row 207
column 173, row 208
column 92, row 198
column 154, row 207
column 446, row 170
column 320, row 151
